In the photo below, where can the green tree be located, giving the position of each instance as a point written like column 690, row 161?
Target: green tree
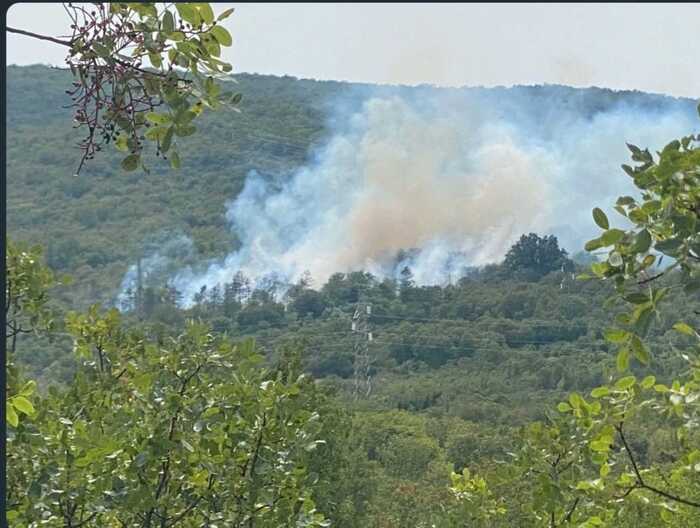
column 665, row 222
column 185, row 432
column 536, row 256
column 118, row 99
column 27, row 281
column 589, row 466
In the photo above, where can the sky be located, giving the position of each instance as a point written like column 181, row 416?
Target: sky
column 648, row 47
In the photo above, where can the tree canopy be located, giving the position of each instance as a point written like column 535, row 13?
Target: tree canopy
column 118, row 98
column 536, row 256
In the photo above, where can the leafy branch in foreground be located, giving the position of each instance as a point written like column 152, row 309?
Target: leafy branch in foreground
column 119, row 98
column 185, row 431
column 26, row 311
column 665, row 223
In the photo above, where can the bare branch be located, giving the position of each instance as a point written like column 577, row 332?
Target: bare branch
column 641, row 484
column 66, row 43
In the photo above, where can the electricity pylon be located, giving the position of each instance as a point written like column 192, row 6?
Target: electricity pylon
column 363, row 337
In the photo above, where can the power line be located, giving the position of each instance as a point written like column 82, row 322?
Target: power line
column 379, row 333
column 454, row 349
column 462, row 321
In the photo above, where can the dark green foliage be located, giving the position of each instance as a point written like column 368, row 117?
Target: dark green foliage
column 534, row 256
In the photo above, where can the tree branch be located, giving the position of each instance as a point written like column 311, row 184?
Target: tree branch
column 640, row 481
column 66, row 43
column 567, row 518
column 650, row 279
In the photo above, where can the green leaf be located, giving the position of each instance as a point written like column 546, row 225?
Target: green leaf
column 648, row 382
column 616, row 335
column 575, row 400
column 175, row 36
column 625, row 200
column 83, row 461
column 684, row 329
column 156, row 133
column 600, row 268
column 199, row 479
column 629, row 170
column 563, row 407
column 122, row 143
column 637, row 298
column 156, row 59
column 600, row 218
column 131, row 162
column 213, row 47
column 669, row 246
column 623, row 359
column 183, row 131
column 167, row 139
column 221, row 35
column 640, row 351
column 211, row 411
column 28, row 388
column 642, row 242
column 600, row 392
column 647, row 261
column 158, row 119
column 594, row 244
column 11, row 415
column 225, row 14
column 206, row 13
column 625, row 383
column 600, row 446
column 168, row 22
column 641, row 318
column 23, row 405
column 184, row 118
column 174, row 160
column 612, row 236
column 673, row 146
column 188, row 13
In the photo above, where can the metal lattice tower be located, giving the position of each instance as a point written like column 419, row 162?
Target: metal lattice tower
column 362, row 361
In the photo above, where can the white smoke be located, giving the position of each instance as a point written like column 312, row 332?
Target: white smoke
column 460, row 177
column 156, row 265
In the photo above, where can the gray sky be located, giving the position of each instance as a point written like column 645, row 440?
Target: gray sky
column 649, row 47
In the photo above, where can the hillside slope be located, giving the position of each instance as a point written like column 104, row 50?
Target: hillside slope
column 96, row 224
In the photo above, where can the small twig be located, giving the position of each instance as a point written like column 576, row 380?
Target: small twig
column 640, row 481
column 567, row 518
column 652, row 278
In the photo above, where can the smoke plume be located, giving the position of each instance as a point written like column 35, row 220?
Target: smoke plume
column 458, row 175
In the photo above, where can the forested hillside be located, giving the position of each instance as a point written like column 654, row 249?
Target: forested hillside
column 95, row 225
column 459, row 371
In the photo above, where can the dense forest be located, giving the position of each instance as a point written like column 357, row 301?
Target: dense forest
column 464, row 378
column 95, row 225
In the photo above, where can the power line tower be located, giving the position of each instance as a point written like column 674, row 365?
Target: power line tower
column 362, row 361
